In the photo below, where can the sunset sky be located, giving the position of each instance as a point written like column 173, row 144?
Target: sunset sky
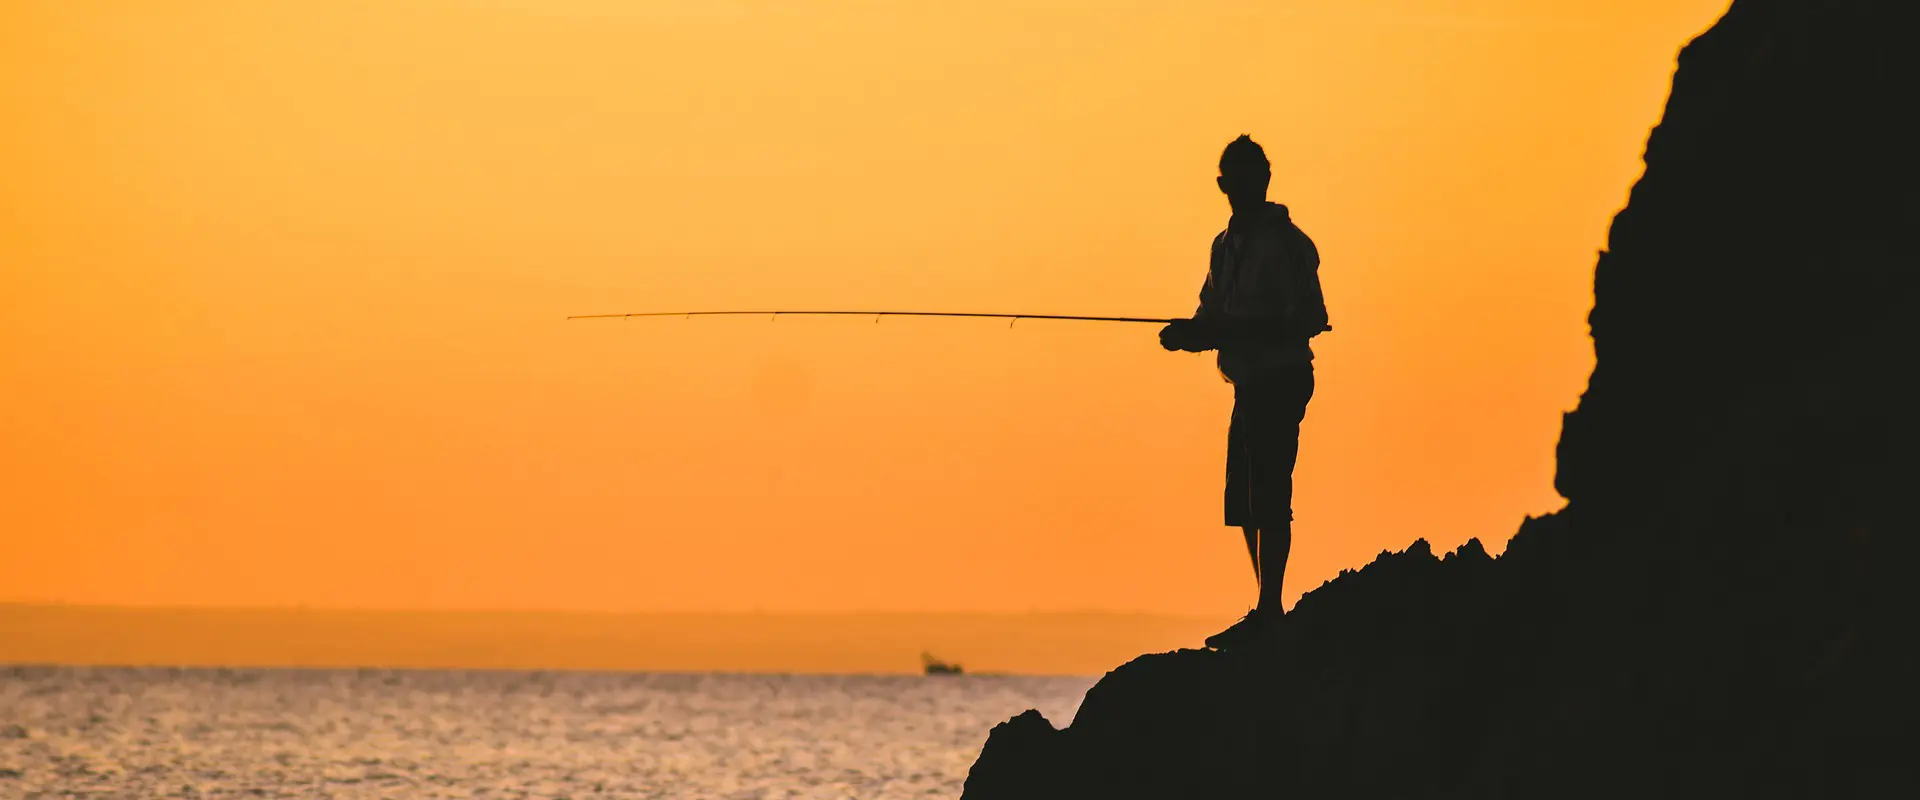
column 282, row 288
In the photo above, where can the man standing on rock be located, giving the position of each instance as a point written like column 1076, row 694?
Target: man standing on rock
column 1259, row 307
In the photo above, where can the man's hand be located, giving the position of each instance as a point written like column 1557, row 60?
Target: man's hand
column 1187, row 336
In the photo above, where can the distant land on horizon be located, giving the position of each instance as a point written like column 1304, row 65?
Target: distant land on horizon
column 1038, row 643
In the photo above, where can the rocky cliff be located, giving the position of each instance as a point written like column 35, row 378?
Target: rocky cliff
column 1723, row 609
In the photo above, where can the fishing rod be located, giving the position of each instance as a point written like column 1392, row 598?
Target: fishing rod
column 1013, row 318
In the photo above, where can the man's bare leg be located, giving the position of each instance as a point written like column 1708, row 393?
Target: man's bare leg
column 1274, row 544
column 1253, row 550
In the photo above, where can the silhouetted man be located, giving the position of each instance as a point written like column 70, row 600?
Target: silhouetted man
column 1260, row 305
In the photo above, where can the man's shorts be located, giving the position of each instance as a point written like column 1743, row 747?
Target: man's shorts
column 1262, row 443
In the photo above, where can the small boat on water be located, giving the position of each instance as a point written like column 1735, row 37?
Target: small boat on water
column 935, row 666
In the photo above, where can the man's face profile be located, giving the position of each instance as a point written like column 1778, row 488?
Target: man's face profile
column 1244, row 181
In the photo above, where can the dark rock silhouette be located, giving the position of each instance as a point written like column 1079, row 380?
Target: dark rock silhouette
column 1725, row 607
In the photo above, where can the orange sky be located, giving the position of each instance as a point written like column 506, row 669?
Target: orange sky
column 282, row 287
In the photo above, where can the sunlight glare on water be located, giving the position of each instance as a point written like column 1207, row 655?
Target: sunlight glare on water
column 142, row 733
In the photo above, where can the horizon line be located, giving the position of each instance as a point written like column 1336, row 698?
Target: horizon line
column 58, row 604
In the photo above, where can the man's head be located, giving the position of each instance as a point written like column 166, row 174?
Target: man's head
column 1244, row 173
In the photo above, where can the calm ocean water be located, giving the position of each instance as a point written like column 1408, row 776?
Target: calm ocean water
column 142, row 733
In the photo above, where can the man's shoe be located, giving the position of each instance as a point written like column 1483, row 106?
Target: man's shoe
column 1246, row 630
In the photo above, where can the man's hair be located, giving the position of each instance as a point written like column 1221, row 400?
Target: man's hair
column 1243, row 155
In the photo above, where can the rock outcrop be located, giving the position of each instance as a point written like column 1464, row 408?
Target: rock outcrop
column 1723, row 609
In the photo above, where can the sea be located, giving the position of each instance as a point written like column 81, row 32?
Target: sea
column 89, row 732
